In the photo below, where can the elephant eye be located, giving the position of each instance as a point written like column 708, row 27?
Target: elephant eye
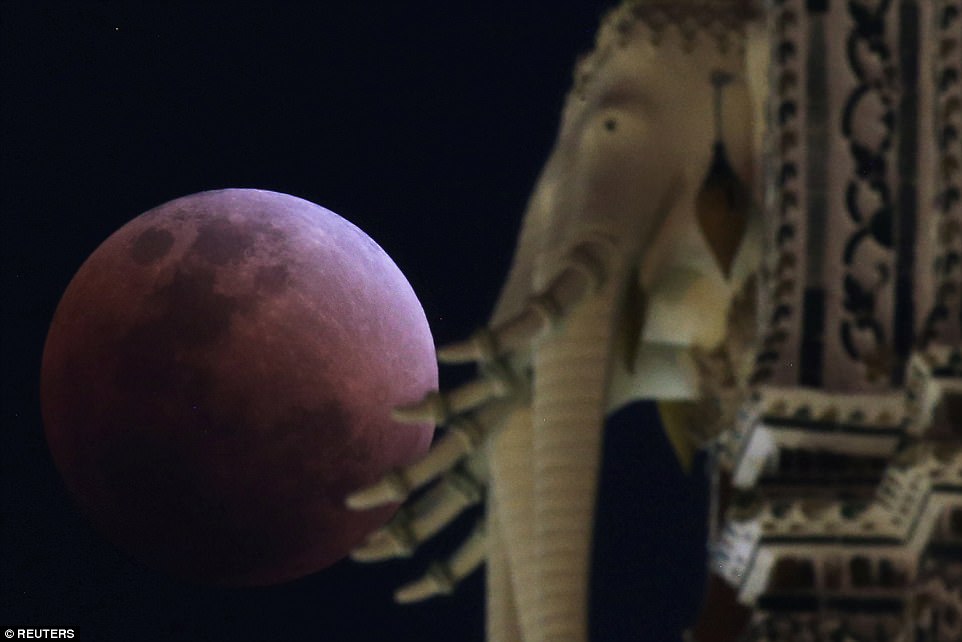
column 611, row 124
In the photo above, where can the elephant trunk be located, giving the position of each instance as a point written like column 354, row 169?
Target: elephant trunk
column 570, row 394
column 501, row 613
column 511, row 493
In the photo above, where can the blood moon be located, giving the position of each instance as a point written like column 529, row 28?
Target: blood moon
column 220, row 373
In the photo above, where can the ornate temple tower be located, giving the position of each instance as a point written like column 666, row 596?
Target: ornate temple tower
column 839, row 489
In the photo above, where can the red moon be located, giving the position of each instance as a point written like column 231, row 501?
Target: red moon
column 220, row 373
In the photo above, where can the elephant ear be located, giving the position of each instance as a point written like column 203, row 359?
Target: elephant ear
column 721, row 208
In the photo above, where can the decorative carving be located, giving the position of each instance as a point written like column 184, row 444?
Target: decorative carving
column 944, row 320
column 718, row 20
column 785, row 197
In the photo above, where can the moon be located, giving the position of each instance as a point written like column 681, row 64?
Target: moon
column 220, row 373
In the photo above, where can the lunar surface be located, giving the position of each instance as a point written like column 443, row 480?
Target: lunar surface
column 220, row 373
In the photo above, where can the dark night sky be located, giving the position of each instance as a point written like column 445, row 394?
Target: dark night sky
column 425, row 125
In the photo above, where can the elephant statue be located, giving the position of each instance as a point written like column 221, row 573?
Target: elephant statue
column 752, row 215
column 639, row 235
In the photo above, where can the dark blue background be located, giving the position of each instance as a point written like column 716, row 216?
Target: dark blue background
column 425, row 125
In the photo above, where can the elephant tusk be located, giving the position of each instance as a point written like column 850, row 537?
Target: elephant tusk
column 433, row 407
column 460, row 489
column 463, row 438
column 483, row 345
column 582, row 273
column 442, row 577
column 393, row 487
column 498, row 381
column 394, row 540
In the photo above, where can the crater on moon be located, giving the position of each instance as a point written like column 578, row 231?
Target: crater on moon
column 220, row 373
column 152, row 245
